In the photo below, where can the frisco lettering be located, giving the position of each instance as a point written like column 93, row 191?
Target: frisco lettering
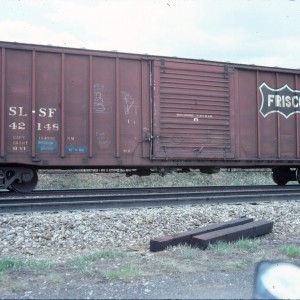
column 283, row 101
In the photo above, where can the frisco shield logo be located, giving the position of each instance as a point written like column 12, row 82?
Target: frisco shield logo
column 284, row 100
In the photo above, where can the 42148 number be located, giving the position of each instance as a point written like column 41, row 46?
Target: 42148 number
column 39, row 126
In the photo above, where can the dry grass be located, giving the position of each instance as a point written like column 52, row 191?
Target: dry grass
column 65, row 180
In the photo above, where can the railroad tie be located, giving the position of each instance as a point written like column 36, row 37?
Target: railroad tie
column 249, row 230
column 161, row 243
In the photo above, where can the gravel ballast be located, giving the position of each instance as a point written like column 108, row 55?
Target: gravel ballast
column 65, row 234
column 178, row 272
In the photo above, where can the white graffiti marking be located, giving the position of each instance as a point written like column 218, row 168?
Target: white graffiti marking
column 128, row 102
column 103, row 139
column 98, row 104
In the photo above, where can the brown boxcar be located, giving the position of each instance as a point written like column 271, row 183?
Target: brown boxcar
column 77, row 108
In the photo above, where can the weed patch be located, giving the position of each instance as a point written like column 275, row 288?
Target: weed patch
column 222, row 247
column 21, row 264
column 83, row 260
column 124, row 273
column 188, row 252
column 291, row 250
column 242, row 264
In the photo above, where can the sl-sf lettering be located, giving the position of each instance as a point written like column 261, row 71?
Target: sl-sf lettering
column 19, row 111
column 47, row 112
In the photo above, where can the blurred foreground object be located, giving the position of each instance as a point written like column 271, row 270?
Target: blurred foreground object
column 277, row 280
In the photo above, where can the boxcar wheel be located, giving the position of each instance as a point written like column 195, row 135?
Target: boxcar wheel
column 282, row 175
column 27, row 184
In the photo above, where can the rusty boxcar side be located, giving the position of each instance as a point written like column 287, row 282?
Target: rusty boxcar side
column 76, row 108
column 63, row 107
column 217, row 112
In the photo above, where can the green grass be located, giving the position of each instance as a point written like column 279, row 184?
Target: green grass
column 226, row 247
column 188, row 252
column 292, row 251
column 17, row 264
column 124, row 273
column 247, row 244
column 23, row 264
column 242, row 263
column 83, row 260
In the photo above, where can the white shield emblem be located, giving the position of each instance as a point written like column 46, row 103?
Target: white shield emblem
column 284, row 100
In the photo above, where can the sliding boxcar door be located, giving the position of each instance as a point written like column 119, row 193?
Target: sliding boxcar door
column 191, row 118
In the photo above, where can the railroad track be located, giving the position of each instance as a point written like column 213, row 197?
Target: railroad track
column 57, row 200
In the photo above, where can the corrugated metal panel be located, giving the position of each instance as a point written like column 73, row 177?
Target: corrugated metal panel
column 268, row 120
column 73, row 107
column 194, row 111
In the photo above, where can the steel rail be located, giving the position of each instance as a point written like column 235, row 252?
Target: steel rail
column 133, row 198
column 4, row 194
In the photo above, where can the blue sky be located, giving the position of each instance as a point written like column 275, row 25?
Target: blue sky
column 262, row 32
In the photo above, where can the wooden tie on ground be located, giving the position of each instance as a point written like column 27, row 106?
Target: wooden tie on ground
column 227, row 231
column 249, row 230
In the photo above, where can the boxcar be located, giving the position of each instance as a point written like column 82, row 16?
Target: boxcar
column 76, row 108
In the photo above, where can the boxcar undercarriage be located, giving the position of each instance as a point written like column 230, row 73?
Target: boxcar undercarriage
column 24, row 179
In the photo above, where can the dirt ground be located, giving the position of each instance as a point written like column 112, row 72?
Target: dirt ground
column 178, row 272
